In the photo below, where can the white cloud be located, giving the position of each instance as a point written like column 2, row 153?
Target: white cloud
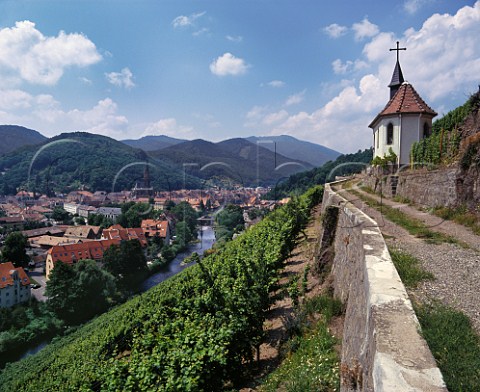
column 14, row 99
column 228, row 64
column 364, row 29
column 184, row 21
column 169, row 127
column 295, row 98
column 124, row 78
column 335, row 30
column 341, row 68
column 273, row 118
column 44, row 113
column 233, row 38
column 30, row 56
column 276, row 83
column 85, row 80
column 202, row 31
column 412, row 6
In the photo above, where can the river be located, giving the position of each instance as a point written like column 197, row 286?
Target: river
column 206, row 239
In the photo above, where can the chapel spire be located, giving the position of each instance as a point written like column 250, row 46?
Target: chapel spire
column 397, row 77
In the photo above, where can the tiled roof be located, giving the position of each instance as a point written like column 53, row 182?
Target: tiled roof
column 87, row 250
column 406, row 100
column 117, row 232
column 6, row 278
column 152, row 227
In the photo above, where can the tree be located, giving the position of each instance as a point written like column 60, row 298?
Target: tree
column 126, row 262
column 185, row 213
column 79, row 292
column 183, row 235
column 80, row 221
column 208, row 205
column 15, row 249
column 168, row 253
column 169, row 204
column 60, row 215
column 61, row 291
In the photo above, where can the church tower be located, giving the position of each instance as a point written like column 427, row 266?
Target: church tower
column 405, row 119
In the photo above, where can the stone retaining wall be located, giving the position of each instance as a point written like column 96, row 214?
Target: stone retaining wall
column 382, row 349
column 432, row 188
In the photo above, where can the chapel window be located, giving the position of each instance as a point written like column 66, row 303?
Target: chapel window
column 390, row 133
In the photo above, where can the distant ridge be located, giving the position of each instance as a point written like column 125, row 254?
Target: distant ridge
column 152, row 143
column 315, row 154
column 15, row 136
column 243, row 162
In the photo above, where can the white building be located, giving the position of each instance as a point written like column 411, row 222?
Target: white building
column 72, row 208
column 405, row 119
column 14, row 285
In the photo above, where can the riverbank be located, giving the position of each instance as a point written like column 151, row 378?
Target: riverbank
column 206, row 239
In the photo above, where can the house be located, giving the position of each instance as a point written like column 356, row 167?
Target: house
column 12, row 222
column 109, row 212
column 71, row 253
column 46, row 241
column 86, row 211
column 84, row 232
column 405, row 119
column 71, row 208
column 14, row 285
column 117, row 232
column 152, row 228
column 51, row 231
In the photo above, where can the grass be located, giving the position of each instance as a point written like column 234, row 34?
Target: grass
column 453, row 343
column 409, row 268
column 448, row 332
column 311, row 362
column 459, row 215
column 412, row 225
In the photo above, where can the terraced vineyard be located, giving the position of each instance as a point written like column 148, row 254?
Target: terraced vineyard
column 193, row 332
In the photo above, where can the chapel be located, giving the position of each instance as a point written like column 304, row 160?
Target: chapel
column 405, row 119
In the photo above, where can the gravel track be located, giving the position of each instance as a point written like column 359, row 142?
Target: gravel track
column 456, row 269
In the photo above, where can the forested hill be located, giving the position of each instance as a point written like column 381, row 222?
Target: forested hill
column 241, row 161
column 313, row 153
column 14, row 136
column 153, row 143
column 72, row 160
column 343, row 165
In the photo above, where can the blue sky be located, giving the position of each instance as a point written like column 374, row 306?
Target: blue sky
column 315, row 70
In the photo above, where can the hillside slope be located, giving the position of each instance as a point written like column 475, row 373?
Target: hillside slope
column 72, row 160
column 152, row 143
column 14, row 136
column 238, row 160
column 315, row 154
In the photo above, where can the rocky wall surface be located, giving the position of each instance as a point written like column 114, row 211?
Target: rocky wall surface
column 431, row 188
column 382, row 349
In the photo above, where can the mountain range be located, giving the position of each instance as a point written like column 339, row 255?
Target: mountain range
column 71, row 160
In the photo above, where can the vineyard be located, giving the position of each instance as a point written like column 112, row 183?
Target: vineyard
column 193, row 332
column 442, row 146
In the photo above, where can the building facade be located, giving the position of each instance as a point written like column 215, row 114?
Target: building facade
column 14, row 285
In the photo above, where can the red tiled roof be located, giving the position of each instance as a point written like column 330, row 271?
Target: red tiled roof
column 151, row 227
column 118, row 233
column 87, row 250
column 405, row 100
column 6, row 278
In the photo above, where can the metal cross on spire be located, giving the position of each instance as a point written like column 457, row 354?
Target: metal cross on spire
column 398, row 49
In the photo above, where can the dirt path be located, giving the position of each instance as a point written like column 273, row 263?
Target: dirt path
column 456, row 269
column 282, row 310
